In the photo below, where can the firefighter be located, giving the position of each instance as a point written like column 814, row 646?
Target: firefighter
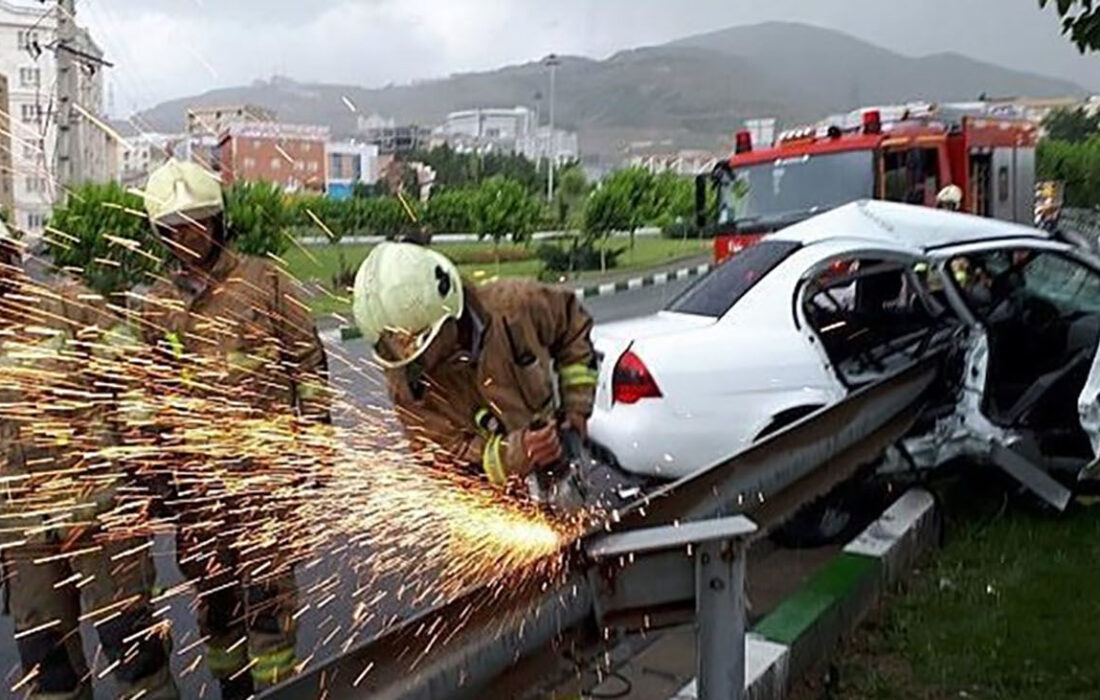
column 950, row 198
column 232, row 323
column 54, row 553
column 471, row 370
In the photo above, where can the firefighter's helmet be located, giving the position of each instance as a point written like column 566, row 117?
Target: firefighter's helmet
column 182, row 191
column 403, row 295
column 950, row 197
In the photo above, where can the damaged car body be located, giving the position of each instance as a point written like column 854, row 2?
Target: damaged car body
column 844, row 299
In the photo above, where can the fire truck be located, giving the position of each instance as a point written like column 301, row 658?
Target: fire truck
column 907, row 157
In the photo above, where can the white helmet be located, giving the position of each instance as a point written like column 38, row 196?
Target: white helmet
column 403, row 295
column 180, row 191
column 950, row 197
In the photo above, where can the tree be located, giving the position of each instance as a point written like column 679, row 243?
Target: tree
column 622, row 202
column 1073, row 125
column 672, row 201
column 1080, row 21
column 103, row 235
column 1075, row 164
column 503, row 207
column 389, row 218
column 569, row 197
column 257, row 218
column 450, row 211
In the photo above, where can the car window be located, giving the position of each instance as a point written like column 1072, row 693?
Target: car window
column 715, row 293
column 1066, row 284
column 989, row 279
column 868, row 315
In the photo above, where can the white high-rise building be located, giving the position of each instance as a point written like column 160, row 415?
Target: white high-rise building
column 27, row 34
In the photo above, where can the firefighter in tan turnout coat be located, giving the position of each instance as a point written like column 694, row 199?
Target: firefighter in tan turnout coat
column 484, row 375
column 58, row 563
column 235, row 326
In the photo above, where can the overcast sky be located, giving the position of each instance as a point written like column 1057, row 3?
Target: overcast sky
column 173, row 48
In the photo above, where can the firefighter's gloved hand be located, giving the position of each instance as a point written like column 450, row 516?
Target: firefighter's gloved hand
column 542, row 447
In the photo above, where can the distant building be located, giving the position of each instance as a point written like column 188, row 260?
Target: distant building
column 686, row 162
column 134, row 153
column 349, row 163
column 289, row 155
column 762, row 131
column 507, row 130
column 27, row 33
column 205, row 126
column 7, row 188
column 393, row 138
column 542, row 144
column 479, row 129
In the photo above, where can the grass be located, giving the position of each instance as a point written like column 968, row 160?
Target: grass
column 475, row 261
column 1009, row 609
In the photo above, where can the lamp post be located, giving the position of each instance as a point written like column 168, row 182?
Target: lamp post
column 552, row 62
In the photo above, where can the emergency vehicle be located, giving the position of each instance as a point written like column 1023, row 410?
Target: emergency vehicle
column 907, row 157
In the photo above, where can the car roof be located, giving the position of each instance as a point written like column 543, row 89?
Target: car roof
column 906, row 226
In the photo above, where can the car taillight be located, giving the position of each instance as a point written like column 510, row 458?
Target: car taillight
column 631, row 381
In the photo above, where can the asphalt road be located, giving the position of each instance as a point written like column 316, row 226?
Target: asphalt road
column 316, row 627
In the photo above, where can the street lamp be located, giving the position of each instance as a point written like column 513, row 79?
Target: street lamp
column 552, row 62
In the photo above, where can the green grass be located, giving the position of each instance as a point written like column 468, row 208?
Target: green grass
column 1009, row 609
column 322, row 263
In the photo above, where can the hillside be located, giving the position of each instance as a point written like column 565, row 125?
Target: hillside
column 692, row 92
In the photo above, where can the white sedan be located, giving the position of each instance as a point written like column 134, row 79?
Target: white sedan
column 823, row 307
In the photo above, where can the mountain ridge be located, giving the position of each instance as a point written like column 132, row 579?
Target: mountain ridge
column 693, row 91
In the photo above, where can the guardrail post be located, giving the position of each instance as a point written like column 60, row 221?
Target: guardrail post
column 697, row 568
column 720, row 619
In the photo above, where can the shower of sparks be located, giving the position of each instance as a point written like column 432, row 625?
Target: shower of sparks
column 119, row 438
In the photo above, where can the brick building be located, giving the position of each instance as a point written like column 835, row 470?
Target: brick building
column 289, row 155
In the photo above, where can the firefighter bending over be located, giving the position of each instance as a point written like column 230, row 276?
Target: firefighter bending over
column 471, row 369
column 54, row 554
column 235, row 326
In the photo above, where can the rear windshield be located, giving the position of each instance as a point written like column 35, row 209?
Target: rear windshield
column 714, row 294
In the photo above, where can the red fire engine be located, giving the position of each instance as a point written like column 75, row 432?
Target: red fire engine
column 909, row 159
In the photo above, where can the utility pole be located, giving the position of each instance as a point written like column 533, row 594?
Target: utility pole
column 69, row 165
column 552, row 61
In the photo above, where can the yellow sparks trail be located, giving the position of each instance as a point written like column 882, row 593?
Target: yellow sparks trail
column 124, row 442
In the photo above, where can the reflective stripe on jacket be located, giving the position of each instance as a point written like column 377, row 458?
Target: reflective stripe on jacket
column 535, row 357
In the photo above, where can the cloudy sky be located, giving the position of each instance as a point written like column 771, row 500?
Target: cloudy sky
column 174, row 48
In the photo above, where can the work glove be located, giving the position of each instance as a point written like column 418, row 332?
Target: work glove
column 542, row 448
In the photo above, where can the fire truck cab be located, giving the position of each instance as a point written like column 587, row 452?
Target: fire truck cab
column 908, row 159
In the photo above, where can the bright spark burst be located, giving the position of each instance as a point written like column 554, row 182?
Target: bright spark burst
column 122, row 439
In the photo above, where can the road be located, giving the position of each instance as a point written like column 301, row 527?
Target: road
column 364, row 387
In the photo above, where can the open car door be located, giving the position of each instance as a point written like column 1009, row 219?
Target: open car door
column 1032, row 378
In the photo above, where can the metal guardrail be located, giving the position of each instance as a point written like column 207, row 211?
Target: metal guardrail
column 457, row 649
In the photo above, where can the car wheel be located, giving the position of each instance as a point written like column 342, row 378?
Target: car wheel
column 835, row 518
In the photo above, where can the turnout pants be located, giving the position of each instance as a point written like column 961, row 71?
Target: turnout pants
column 49, row 580
column 247, row 594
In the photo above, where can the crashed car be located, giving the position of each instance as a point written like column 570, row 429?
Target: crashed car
column 843, row 299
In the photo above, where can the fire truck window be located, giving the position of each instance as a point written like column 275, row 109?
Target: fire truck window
column 930, row 175
column 897, row 176
column 1002, row 183
column 912, row 176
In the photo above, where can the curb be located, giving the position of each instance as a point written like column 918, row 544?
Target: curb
column 656, row 280
column 599, row 290
column 805, row 629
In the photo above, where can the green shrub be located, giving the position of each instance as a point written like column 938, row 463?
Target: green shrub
column 102, row 235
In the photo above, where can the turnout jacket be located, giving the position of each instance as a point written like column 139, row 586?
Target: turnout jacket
column 241, row 325
column 532, row 359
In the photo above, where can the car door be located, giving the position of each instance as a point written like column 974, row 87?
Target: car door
column 1037, row 304
column 868, row 315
